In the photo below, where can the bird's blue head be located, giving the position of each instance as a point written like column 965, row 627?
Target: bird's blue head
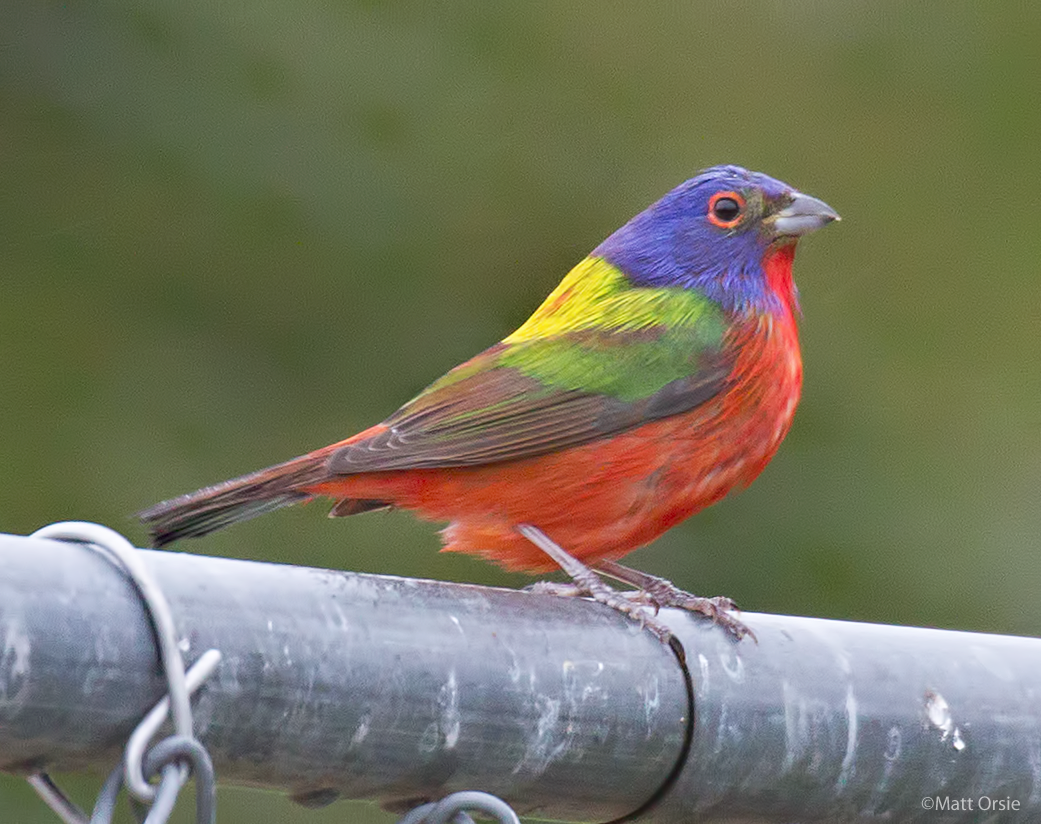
column 716, row 234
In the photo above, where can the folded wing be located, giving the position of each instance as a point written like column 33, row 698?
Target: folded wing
column 532, row 397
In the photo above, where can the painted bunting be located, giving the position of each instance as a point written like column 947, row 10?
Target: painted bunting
column 660, row 374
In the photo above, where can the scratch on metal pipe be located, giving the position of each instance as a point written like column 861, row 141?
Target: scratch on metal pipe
column 362, row 732
column 938, row 711
column 848, row 769
column 15, row 661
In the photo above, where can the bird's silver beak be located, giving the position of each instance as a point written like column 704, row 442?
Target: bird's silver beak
column 803, row 215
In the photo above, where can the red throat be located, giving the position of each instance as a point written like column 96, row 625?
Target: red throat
column 777, row 264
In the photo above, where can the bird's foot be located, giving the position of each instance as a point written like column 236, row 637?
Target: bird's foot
column 563, row 589
column 663, row 593
column 588, row 585
column 632, row 604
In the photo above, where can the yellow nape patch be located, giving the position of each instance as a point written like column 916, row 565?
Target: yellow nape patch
column 596, row 295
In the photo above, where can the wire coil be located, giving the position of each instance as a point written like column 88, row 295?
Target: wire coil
column 177, row 756
column 453, row 808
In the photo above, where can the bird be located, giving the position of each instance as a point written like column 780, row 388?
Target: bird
column 662, row 373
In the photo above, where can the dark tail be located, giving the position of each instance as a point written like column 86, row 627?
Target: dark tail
column 215, row 507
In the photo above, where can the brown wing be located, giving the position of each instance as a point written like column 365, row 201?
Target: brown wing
column 486, row 411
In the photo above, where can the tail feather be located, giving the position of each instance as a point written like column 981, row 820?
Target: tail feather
column 215, row 507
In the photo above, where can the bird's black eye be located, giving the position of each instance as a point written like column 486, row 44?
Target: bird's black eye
column 725, row 209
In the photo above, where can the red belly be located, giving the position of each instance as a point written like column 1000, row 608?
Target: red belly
column 597, row 501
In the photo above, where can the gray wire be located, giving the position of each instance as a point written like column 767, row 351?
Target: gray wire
column 169, row 756
column 139, row 739
column 105, row 805
column 172, row 778
column 52, row 794
column 452, row 808
column 165, row 758
column 159, row 611
column 177, row 749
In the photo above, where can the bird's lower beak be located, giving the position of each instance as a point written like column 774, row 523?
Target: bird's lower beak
column 803, row 215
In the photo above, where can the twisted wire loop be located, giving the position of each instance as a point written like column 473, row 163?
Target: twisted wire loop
column 452, row 808
column 173, row 758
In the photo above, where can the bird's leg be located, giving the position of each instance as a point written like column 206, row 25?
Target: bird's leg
column 586, row 583
column 663, row 593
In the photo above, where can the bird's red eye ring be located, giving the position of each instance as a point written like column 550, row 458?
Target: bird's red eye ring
column 726, row 209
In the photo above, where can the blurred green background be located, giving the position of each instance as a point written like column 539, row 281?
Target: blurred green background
column 233, row 232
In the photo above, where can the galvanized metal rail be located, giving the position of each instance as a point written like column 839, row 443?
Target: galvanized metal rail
column 335, row 684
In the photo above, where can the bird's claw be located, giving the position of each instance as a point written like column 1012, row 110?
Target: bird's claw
column 660, row 592
column 636, row 604
column 631, row 604
column 720, row 610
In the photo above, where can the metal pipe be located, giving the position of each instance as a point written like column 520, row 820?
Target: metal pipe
column 338, row 684
column 846, row 722
column 395, row 689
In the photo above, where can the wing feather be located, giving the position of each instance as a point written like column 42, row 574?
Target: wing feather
column 492, row 409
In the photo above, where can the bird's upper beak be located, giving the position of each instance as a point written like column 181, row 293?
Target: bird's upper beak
column 803, row 215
